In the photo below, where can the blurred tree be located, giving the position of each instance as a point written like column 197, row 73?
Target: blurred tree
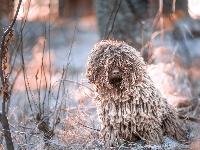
column 6, row 8
column 75, row 8
column 128, row 25
column 183, row 6
column 180, row 5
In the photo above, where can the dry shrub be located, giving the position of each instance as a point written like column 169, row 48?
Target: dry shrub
column 77, row 130
column 172, row 82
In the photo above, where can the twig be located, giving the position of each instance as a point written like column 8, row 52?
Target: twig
column 158, row 15
column 65, row 69
column 88, row 127
column 79, row 84
column 64, row 75
column 189, row 118
column 4, row 36
column 69, row 53
column 25, row 77
column 161, row 19
column 43, row 70
column 142, row 34
column 49, row 93
column 174, row 6
column 20, row 47
column 111, row 18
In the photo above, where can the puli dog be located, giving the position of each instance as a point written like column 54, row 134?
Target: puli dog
column 128, row 104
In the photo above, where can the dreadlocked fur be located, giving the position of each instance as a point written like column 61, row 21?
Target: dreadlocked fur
column 128, row 104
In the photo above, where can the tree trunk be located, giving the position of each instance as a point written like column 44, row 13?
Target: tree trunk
column 6, row 132
column 75, row 8
column 6, row 8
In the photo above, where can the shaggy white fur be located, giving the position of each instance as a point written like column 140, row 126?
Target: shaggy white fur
column 129, row 106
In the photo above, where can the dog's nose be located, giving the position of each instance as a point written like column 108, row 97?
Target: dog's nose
column 115, row 71
column 115, row 77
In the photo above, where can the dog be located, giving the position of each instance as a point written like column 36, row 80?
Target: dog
column 128, row 104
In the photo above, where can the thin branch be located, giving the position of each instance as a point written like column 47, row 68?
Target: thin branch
column 69, row 53
column 25, row 76
column 65, row 69
column 112, row 18
column 174, row 6
column 4, row 36
column 79, row 84
column 142, row 34
column 88, row 127
column 50, row 75
column 45, row 78
column 65, row 76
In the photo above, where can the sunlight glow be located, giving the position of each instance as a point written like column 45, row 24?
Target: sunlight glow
column 37, row 9
column 194, row 8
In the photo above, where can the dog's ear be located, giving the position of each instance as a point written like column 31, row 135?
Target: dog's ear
column 89, row 75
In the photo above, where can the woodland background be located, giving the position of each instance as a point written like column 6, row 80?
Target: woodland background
column 45, row 95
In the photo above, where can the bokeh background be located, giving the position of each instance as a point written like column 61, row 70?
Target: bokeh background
column 47, row 63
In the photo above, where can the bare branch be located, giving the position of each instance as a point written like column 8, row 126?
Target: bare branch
column 112, row 18
column 4, row 36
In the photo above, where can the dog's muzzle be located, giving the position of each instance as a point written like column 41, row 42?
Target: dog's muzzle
column 115, row 77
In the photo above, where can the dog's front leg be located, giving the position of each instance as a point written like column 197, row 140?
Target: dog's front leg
column 110, row 136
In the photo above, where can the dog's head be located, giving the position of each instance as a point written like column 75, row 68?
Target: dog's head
column 114, row 64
